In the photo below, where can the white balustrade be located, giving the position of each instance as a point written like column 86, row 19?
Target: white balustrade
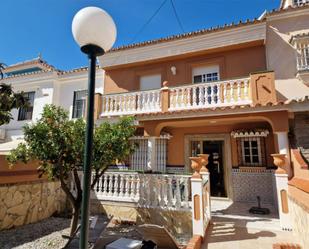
column 193, row 96
column 223, row 93
column 165, row 191
column 131, row 103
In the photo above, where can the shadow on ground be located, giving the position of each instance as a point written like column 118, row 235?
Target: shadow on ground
column 232, row 226
column 226, row 229
column 241, row 209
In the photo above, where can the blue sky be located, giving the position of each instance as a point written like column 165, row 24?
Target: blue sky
column 30, row 27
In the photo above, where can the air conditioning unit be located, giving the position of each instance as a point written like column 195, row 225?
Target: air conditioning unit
column 2, row 133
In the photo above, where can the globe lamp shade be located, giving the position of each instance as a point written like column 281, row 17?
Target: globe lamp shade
column 95, row 27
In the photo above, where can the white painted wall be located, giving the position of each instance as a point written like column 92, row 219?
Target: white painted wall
column 49, row 88
column 281, row 55
column 66, row 86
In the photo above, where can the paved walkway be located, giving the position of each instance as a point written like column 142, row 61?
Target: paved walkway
column 232, row 227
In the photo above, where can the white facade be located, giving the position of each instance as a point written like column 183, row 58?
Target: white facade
column 51, row 86
column 281, row 53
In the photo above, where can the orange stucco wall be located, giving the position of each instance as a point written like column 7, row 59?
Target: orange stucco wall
column 176, row 145
column 18, row 173
column 225, row 124
column 277, row 119
column 300, row 167
column 233, row 63
column 299, row 184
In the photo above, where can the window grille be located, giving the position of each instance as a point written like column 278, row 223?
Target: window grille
column 161, row 154
column 79, row 104
column 196, row 148
column 208, row 77
column 303, row 57
column 25, row 113
column 139, row 158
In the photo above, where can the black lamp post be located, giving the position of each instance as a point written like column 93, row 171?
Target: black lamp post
column 93, row 41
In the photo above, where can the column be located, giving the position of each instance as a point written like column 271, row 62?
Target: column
column 282, row 191
column 207, row 202
column 283, row 203
column 284, row 148
column 151, row 160
column 197, row 206
column 165, row 98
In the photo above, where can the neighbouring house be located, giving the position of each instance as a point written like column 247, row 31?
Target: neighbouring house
column 42, row 84
column 24, row 197
column 238, row 93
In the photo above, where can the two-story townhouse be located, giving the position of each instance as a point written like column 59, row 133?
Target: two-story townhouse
column 237, row 92
column 42, row 84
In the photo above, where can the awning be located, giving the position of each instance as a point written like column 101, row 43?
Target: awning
column 5, row 148
column 249, row 133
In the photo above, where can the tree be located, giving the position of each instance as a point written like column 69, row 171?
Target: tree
column 8, row 99
column 57, row 143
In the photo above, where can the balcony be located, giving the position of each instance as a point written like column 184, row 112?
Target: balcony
column 303, row 62
column 233, row 92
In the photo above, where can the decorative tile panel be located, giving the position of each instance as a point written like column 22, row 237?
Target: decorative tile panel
column 248, row 184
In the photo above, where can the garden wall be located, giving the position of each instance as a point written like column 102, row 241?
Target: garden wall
column 177, row 222
column 29, row 202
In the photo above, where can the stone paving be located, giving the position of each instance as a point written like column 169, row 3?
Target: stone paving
column 232, row 227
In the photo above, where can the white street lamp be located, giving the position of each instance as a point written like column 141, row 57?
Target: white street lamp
column 94, row 26
column 95, row 32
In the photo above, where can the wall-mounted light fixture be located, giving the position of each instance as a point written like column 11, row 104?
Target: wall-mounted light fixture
column 173, row 70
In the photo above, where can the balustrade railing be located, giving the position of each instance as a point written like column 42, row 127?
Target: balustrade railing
column 132, row 103
column 223, row 93
column 146, row 190
column 193, row 96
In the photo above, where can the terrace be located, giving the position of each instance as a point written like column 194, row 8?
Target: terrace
column 227, row 93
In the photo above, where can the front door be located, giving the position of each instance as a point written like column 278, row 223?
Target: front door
column 215, row 165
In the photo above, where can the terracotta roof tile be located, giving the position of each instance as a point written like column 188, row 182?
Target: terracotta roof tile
column 186, row 35
column 27, row 74
column 38, row 60
column 75, row 70
column 208, row 30
column 59, row 72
